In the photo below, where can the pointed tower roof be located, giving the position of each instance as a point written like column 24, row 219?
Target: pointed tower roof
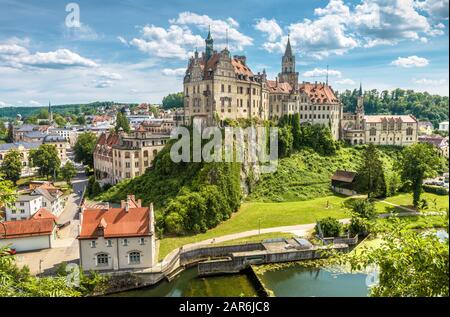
column 209, row 37
column 288, row 51
column 360, row 89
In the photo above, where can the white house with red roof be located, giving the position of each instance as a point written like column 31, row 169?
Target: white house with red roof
column 36, row 233
column 112, row 239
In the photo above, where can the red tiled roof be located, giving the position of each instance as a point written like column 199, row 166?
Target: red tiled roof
column 43, row 214
column 28, row 228
column 319, row 93
column 116, row 222
column 275, row 87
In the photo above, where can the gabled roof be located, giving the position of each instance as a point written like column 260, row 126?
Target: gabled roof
column 28, row 228
column 394, row 118
column 274, row 87
column 319, row 93
column 43, row 214
column 116, row 222
column 344, row 176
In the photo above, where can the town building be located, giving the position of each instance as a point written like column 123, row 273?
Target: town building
column 24, row 148
column 61, row 144
column 52, row 198
column 37, row 233
column 358, row 128
column 117, row 238
column 443, row 126
column 24, row 207
column 440, row 142
column 103, row 157
column 425, row 127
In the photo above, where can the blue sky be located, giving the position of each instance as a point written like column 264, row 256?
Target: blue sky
column 136, row 51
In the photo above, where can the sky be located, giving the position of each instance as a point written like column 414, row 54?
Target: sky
column 137, row 50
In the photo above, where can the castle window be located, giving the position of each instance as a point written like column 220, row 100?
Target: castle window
column 222, row 88
column 229, row 88
column 373, row 131
column 409, row 131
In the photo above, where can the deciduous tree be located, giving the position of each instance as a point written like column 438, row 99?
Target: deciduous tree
column 12, row 165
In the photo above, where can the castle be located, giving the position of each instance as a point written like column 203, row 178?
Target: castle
column 218, row 86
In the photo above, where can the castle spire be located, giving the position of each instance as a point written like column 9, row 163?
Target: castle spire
column 360, row 89
column 209, row 45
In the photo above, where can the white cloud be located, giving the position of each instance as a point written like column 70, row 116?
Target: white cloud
column 105, row 79
column 435, row 8
column 173, row 42
column 174, row 72
column 345, row 81
column 428, row 81
column 123, row 40
column 338, row 27
column 17, row 56
column 3, row 104
column 270, row 27
column 220, row 29
column 410, row 61
column 320, row 72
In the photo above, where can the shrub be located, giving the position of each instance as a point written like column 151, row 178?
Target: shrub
column 364, row 208
column 359, row 226
column 328, row 227
column 435, row 189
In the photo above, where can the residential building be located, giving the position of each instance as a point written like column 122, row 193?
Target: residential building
column 443, row 126
column 440, row 142
column 24, row 148
column 425, row 127
column 135, row 152
column 52, row 198
column 37, row 233
column 117, row 238
column 103, row 157
column 61, row 144
column 24, row 207
column 34, row 137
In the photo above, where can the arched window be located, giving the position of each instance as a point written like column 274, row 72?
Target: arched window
column 145, row 153
column 155, row 152
column 102, row 259
column 134, row 257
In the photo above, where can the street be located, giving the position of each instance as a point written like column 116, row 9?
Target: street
column 65, row 248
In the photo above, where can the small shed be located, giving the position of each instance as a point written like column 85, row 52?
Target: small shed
column 344, row 182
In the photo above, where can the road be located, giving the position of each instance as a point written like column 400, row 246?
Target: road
column 65, row 248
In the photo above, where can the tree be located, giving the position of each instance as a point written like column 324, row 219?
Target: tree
column 328, row 227
column 12, row 165
column 43, row 114
column 296, row 132
column 410, row 263
column 285, row 140
column 68, row 172
column 122, row 122
column 60, row 121
column 173, row 101
column 46, row 158
column 84, row 148
column 418, row 162
column 7, row 192
column 81, row 120
column 10, row 136
column 371, row 173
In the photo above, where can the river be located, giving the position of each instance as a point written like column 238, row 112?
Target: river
column 291, row 281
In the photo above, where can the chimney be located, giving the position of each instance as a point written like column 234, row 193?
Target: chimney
column 127, row 204
column 276, row 81
column 139, row 203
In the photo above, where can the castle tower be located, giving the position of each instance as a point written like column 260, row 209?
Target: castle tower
column 360, row 108
column 288, row 73
column 209, row 46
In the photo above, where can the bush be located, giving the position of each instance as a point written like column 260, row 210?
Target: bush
column 359, row 226
column 364, row 208
column 328, row 227
column 435, row 190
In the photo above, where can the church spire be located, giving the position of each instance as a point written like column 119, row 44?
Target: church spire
column 288, row 51
column 360, row 89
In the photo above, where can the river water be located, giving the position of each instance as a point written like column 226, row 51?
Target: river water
column 291, row 281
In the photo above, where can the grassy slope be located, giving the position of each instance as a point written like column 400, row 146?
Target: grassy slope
column 306, row 174
column 405, row 200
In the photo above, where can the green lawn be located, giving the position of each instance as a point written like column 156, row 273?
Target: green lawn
column 269, row 215
column 406, row 201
